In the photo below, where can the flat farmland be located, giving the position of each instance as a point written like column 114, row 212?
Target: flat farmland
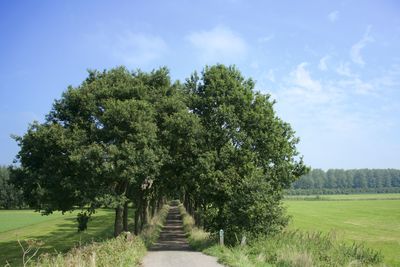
column 370, row 219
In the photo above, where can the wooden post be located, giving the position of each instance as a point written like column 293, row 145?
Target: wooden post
column 221, row 237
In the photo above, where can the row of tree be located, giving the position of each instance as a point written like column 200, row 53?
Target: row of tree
column 358, row 180
column 134, row 138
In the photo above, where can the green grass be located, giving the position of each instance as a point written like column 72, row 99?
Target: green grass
column 357, row 232
column 59, row 234
column 125, row 250
column 57, row 231
column 346, row 197
column 373, row 222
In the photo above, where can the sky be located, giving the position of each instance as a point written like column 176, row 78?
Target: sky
column 332, row 66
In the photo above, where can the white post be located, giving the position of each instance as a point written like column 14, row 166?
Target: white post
column 221, row 237
column 243, row 242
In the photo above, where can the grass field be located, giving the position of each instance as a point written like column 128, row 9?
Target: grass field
column 376, row 222
column 57, row 231
column 346, row 197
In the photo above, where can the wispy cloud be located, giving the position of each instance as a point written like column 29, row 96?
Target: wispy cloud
column 303, row 91
column 333, row 16
column 137, row 48
column 323, row 63
column 344, row 69
column 133, row 49
column 355, row 52
column 218, row 44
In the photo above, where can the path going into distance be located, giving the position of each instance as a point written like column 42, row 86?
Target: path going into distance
column 172, row 248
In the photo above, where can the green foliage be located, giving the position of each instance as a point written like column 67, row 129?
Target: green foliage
column 247, row 158
column 98, row 143
column 133, row 137
column 10, row 197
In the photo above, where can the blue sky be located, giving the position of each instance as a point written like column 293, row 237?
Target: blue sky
column 332, row 66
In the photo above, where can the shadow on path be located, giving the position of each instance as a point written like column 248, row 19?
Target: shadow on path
column 172, row 236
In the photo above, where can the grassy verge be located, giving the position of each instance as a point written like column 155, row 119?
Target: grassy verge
column 197, row 238
column 58, row 232
column 94, row 247
column 125, row 250
column 289, row 248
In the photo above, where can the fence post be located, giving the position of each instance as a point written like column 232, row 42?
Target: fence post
column 221, row 237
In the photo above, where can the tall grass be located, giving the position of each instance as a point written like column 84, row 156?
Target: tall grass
column 197, row 238
column 125, row 250
column 297, row 249
column 286, row 249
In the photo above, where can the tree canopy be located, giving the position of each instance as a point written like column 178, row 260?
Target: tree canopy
column 133, row 137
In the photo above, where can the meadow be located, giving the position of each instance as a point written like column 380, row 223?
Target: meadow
column 372, row 219
column 57, row 231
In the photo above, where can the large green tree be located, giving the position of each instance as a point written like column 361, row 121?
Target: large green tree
column 133, row 137
column 249, row 154
column 97, row 146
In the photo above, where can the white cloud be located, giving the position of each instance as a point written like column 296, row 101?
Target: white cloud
column 355, row 52
column 333, row 16
column 303, row 92
column 358, row 86
column 135, row 49
column 344, row 70
column 323, row 63
column 301, row 78
column 218, row 44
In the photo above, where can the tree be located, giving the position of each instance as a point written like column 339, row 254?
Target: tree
column 132, row 137
column 249, row 155
column 98, row 145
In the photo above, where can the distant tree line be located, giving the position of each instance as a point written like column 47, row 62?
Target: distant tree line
column 10, row 197
column 338, row 181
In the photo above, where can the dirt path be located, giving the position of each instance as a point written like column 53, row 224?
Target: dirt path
column 172, row 248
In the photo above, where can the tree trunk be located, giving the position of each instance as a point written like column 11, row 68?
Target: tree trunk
column 143, row 220
column 125, row 219
column 118, row 225
column 137, row 213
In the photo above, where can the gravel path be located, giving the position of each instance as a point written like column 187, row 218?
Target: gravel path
column 172, row 248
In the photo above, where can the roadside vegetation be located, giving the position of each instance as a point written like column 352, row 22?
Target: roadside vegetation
column 287, row 248
column 59, row 244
